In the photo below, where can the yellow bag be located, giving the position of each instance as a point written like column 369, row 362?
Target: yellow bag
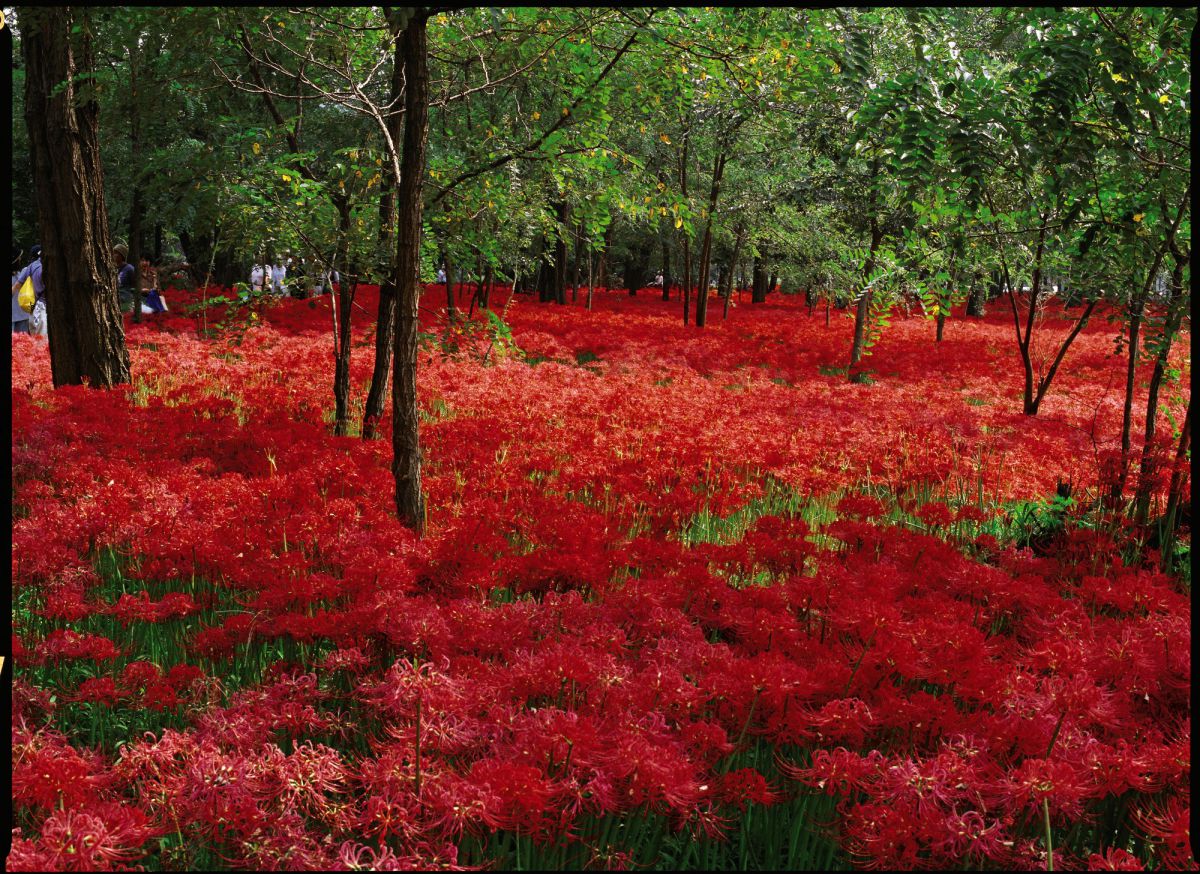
column 27, row 297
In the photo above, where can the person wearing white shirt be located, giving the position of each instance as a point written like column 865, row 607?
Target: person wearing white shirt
column 278, row 279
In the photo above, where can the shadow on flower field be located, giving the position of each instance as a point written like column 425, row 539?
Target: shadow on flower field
column 688, row 599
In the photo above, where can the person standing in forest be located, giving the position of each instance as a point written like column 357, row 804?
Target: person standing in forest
column 279, row 277
column 20, row 318
column 36, row 321
column 127, row 294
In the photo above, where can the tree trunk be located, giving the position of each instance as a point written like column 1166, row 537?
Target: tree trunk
column 758, row 282
column 590, row 277
column 385, row 322
column 602, row 267
column 862, row 311
column 135, row 203
column 575, row 266
column 637, row 267
column 687, row 277
column 406, row 445
column 449, row 287
column 976, row 299
column 1175, row 492
column 87, row 339
column 941, row 325
column 340, row 305
column 1137, row 307
column 1174, row 316
column 560, row 254
column 706, row 247
column 739, row 237
column 666, row 269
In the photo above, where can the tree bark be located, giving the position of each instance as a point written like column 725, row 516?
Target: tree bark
column 590, row 278
column 385, row 322
column 87, row 338
column 1175, row 492
column 406, row 445
column 135, row 204
column 862, row 311
column 450, row 314
column 602, row 267
column 739, row 237
column 1175, row 310
column 687, row 277
column 706, row 247
column 977, row 299
column 666, row 271
column 340, row 304
column 637, row 267
column 575, row 266
column 560, row 253
column 758, row 282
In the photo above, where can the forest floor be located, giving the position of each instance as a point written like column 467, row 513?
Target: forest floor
column 687, row 599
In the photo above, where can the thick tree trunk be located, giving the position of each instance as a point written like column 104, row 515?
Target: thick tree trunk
column 637, row 267
column 758, row 282
column 941, row 326
column 977, row 299
column 87, row 339
column 406, row 445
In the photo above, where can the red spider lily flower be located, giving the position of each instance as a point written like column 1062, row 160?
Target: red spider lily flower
column 1114, row 859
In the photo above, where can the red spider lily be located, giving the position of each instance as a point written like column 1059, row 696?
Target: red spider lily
column 560, row 646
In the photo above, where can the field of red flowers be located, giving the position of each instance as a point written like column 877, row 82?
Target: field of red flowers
column 688, row 599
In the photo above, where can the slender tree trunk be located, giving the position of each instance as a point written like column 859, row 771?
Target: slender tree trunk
column 489, row 280
column 602, row 267
column 739, row 237
column 575, row 266
column 666, row 271
column 862, row 311
column 340, row 304
column 1175, row 492
column 590, row 277
column 560, row 253
column 687, row 277
column 385, row 322
column 406, row 445
column 87, row 339
column 706, row 247
column 1174, row 316
column 1137, row 306
column 450, row 314
column 135, row 205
